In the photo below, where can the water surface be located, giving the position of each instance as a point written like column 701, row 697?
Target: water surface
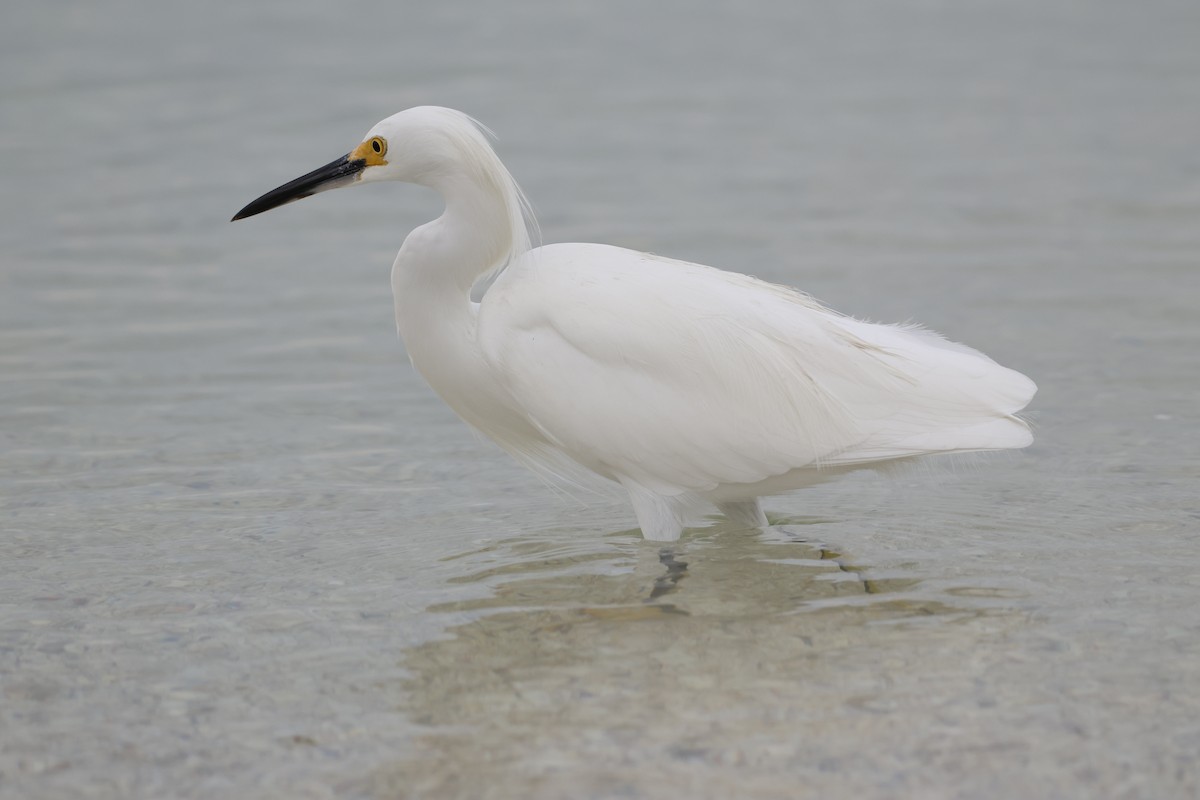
column 246, row 553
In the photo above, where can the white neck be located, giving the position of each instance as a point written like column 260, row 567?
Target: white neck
column 473, row 235
column 431, row 286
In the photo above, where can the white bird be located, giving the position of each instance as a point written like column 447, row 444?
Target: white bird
column 681, row 382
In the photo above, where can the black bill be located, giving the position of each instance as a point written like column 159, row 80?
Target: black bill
column 331, row 176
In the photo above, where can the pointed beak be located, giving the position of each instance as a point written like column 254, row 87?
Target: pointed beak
column 338, row 173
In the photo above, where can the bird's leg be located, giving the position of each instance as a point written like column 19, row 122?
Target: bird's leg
column 744, row 512
column 660, row 518
column 676, row 571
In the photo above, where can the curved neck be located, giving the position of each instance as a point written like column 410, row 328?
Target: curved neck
column 472, row 237
column 431, row 287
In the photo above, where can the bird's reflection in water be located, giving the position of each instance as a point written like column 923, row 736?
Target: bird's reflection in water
column 609, row 651
column 730, row 571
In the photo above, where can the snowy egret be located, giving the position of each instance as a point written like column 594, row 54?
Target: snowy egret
column 683, row 383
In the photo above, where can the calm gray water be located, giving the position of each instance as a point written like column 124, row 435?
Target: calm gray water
column 244, row 552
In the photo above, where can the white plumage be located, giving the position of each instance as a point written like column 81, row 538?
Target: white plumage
column 679, row 381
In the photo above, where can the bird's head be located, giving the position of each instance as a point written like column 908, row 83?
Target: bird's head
column 419, row 145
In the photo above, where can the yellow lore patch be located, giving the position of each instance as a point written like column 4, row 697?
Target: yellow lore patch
column 371, row 151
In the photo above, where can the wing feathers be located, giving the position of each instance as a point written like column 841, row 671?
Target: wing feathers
column 682, row 377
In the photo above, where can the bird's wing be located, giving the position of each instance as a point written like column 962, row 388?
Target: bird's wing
column 681, row 377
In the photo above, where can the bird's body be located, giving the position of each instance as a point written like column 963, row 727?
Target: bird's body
column 681, row 382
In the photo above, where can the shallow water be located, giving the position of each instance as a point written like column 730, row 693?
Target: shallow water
column 246, row 553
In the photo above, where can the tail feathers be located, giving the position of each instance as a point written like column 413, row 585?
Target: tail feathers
column 952, row 399
column 1008, row 433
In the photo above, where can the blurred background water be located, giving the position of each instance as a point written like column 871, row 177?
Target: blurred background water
column 244, row 552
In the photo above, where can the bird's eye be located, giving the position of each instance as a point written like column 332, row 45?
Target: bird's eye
column 379, row 146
